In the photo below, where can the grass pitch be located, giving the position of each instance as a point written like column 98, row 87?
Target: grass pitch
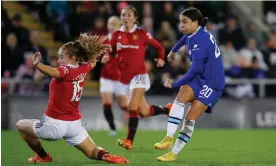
column 207, row 147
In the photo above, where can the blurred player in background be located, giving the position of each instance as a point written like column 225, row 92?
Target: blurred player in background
column 129, row 45
column 202, row 85
column 62, row 118
column 109, row 81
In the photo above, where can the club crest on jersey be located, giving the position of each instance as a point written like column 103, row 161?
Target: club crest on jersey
column 135, row 37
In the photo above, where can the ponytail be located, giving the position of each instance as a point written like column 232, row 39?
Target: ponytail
column 204, row 22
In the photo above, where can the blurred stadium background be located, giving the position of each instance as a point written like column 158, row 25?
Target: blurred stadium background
column 245, row 32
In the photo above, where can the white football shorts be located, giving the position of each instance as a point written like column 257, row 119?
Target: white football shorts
column 53, row 129
column 116, row 87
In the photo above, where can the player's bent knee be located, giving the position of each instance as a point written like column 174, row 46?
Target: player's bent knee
column 20, row 125
column 185, row 94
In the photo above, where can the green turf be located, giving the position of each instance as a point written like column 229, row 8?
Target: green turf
column 207, row 147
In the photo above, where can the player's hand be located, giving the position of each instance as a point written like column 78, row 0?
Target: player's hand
column 105, row 58
column 36, row 58
column 160, row 62
column 168, row 83
column 171, row 57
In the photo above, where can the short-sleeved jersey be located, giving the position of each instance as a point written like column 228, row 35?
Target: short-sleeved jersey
column 110, row 70
column 65, row 92
column 130, row 49
column 202, row 45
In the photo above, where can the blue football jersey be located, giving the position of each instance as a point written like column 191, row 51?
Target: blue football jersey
column 201, row 45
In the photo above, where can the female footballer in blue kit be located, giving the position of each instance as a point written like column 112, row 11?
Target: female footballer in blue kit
column 202, row 85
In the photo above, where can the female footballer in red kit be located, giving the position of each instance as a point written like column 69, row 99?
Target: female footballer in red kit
column 109, row 81
column 62, row 118
column 129, row 44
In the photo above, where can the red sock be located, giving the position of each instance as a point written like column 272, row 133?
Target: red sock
column 156, row 110
column 101, row 153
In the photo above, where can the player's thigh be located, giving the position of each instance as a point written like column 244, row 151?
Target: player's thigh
column 76, row 133
column 136, row 97
column 196, row 110
column 25, row 126
column 88, row 147
column 185, row 94
column 121, row 89
column 143, row 108
column 122, row 100
column 107, row 97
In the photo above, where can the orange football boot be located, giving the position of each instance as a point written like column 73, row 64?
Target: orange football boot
column 125, row 143
column 115, row 159
column 38, row 159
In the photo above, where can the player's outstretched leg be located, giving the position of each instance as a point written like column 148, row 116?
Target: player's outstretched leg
column 25, row 128
column 184, row 96
column 196, row 110
column 89, row 148
column 146, row 110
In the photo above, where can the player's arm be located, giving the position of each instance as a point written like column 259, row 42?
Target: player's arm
column 195, row 70
column 48, row 70
column 199, row 55
column 154, row 43
column 179, row 44
column 176, row 47
column 113, row 44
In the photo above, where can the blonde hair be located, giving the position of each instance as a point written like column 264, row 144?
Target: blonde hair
column 117, row 21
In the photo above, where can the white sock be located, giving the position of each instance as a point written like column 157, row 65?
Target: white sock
column 175, row 117
column 184, row 136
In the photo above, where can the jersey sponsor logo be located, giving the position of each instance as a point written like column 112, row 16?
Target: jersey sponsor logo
column 121, row 46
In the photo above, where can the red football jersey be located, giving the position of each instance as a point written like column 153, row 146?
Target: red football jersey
column 110, row 70
column 65, row 92
column 130, row 48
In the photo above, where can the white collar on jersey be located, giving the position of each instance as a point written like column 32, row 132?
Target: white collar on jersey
column 73, row 66
column 109, row 36
column 195, row 32
column 131, row 31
